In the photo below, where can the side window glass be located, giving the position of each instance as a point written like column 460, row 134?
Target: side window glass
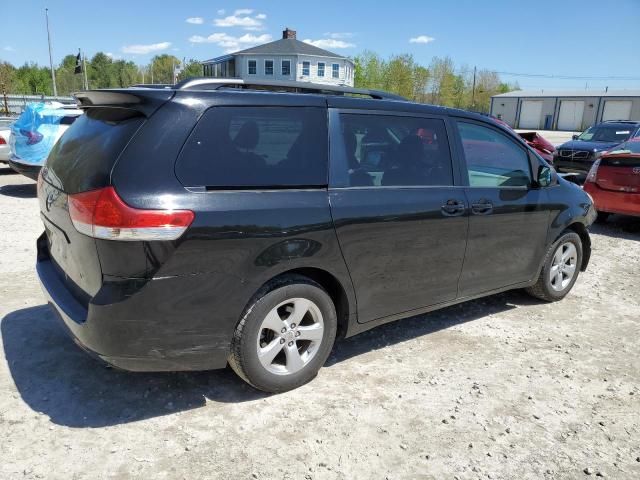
column 386, row 150
column 256, row 147
column 493, row 160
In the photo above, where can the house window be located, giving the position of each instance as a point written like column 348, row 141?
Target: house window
column 320, row 69
column 268, row 67
column 253, row 67
column 305, row 69
column 286, row 68
column 335, row 70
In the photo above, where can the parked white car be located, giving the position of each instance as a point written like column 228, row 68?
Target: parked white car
column 5, row 133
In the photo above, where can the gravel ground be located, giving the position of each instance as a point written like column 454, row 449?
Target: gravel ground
column 504, row 387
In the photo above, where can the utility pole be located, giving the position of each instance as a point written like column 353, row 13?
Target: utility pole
column 4, row 96
column 84, row 71
column 473, row 90
column 53, row 73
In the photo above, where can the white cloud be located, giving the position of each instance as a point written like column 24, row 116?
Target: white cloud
column 242, row 18
column 195, row 20
column 329, row 43
column 421, row 39
column 112, row 56
column 8, row 48
column 145, row 49
column 339, row 35
column 222, row 11
column 231, row 43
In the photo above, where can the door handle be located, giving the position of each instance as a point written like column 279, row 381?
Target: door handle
column 483, row 207
column 453, row 208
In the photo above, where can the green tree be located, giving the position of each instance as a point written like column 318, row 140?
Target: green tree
column 161, row 68
column 191, row 68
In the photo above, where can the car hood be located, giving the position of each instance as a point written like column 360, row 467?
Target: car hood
column 589, row 146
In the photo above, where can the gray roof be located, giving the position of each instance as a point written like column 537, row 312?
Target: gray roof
column 571, row 93
column 284, row 46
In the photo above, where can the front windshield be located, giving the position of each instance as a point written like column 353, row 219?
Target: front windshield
column 632, row 146
column 606, row 133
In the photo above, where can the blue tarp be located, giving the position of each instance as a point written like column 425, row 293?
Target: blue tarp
column 36, row 131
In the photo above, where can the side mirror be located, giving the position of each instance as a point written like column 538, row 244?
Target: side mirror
column 574, row 136
column 545, row 177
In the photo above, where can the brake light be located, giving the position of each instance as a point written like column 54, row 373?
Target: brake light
column 593, row 172
column 102, row 214
column 2, row 140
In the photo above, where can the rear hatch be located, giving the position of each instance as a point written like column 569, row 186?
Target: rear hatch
column 81, row 161
column 620, row 173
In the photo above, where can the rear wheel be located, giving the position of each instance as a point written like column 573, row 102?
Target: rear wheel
column 285, row 336
column 560, row 269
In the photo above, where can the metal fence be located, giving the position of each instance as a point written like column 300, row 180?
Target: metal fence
column 16, row 103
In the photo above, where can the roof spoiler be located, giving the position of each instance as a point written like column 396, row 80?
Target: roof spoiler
column 145, row 101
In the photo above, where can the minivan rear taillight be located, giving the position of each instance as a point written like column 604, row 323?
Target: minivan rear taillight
column 593, row 172
column 102, row 214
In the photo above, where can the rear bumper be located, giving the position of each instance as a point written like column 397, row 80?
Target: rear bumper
column 135, row 333
column 31, row 171
column 610, row 201
column 5, row 152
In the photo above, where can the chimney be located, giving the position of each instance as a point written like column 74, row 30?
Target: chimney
column 288, row 33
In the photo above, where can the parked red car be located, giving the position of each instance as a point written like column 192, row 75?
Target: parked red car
column 541, row 145
column 614, row 181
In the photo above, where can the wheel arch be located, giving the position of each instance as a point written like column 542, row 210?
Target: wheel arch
column 328, row 281
column 583, row 233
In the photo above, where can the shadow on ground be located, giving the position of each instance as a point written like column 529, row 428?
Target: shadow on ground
column 55, row 377
column 24, row 190
column 619, row 226
column 6, row 170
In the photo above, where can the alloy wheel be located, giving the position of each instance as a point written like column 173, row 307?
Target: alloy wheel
column 563, row 267
column 290, row 336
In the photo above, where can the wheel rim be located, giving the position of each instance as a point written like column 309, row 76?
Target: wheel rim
column 563, row 267
column 290, row 336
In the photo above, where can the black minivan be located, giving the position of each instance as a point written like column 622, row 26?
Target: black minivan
column 212, row 223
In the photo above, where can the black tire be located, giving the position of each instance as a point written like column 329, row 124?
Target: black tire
column 243, row 357
column 602, row 217
column 543, row 289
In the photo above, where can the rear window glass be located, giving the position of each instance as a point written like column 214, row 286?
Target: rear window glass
column 85, row 154
column 268, row 147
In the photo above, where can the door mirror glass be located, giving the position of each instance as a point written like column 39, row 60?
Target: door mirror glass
column 544, row 176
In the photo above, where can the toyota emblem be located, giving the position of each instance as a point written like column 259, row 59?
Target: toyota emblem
column 636, row 170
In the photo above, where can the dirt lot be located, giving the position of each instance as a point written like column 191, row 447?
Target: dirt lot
column 504, row 387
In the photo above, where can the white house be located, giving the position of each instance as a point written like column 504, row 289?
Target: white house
column 285, row 59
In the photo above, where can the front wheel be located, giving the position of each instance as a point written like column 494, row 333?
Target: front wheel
column 560, row 270
column 285, row 336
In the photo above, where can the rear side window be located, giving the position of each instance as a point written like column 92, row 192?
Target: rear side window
column 83, row 157
column 388, row 151
column 268, row 147
column 493, row 160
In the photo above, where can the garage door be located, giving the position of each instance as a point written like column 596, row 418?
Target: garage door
column 570, row 117
column 617, row 110
column 530, row 114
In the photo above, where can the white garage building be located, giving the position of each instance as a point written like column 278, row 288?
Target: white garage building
column 565, row 110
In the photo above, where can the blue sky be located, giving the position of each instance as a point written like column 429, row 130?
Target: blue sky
column 582, row 38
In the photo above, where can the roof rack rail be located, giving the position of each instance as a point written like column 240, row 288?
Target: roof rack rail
column 621, row 121
column 281, row 86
